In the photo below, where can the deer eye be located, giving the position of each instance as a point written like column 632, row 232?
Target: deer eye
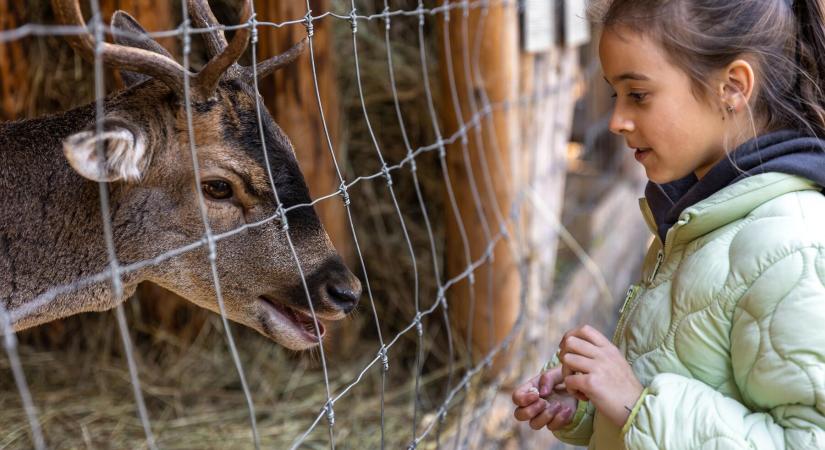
column 217, row 189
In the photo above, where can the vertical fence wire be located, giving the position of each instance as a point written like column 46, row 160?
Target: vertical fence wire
column 419, row 197
column 391, row 190
column 105, row 212
column 208, row 236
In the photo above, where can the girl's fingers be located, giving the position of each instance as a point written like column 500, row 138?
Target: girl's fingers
column 578, row 363
column 527, row 393
column 541, row 420
column 529, row 412
column 561, row 419
column 577, row 384
column 549, row 380
column 591, row 335
column 575, row 344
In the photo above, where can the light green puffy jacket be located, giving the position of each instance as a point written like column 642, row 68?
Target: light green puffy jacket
column 726, row 329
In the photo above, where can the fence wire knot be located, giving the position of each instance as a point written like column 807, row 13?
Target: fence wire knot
column 442, row 298
column 210, row 245
column 420, row 14
column 385, row 171
column 342, row 190
column 280, row 216
column 385, row 360
column 413, row 165
column 387, row 19
column 308, row 24
column 442, row 150
column 253, row 24
column 187, row 39
column 353, row 21
column 330, row 413
column 419, row 328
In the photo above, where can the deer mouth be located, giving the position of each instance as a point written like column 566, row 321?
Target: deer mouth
column 300, row 321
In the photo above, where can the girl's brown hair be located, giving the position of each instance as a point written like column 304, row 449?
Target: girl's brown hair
column 783, row 39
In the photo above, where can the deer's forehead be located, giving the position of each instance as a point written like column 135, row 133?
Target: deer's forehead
column 212, row 125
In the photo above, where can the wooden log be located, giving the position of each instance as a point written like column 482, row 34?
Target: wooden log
column 14, row 67
column 487, row 308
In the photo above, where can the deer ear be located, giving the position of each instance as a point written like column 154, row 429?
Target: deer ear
column 124, row 154
column 131, row 34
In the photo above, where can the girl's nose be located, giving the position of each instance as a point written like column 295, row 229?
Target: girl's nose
column 620, row 125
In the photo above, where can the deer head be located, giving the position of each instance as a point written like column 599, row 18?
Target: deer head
column 146, row 160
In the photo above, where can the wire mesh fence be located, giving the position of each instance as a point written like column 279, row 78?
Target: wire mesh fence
column 451, row 417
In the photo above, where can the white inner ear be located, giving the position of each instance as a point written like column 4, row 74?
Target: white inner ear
column 124, row 160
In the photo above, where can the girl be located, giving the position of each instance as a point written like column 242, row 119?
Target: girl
column 721, row 345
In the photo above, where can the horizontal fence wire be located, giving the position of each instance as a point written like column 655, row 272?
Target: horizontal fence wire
column 479, row 119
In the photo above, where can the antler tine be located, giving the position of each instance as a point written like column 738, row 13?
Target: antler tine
column 133, row 59
column 208, row 77
column 203, row 17
column 267, row 67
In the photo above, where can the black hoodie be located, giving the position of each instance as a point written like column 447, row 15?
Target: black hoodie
column 784, row 151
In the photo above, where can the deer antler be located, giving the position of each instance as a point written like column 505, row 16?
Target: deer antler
column 216, row 43
column 204, row 18
column 134, row 59
column 207, row 79
column 223, row 55
column 269, row 66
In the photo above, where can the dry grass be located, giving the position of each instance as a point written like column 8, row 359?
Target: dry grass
column 84, row 396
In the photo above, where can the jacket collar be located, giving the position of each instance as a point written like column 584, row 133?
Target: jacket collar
column 728, row 204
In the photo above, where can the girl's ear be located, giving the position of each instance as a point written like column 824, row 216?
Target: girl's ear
column 737, row 85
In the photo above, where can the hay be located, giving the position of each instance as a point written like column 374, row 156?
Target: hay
column 193, row 394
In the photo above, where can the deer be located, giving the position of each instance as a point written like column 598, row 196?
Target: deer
column 52, row 231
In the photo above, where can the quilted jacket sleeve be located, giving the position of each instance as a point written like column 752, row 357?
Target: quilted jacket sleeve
column 581, row 428
column 778, row 361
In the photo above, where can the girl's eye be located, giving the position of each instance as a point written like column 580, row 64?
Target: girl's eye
column 217, row 189
column 637, row 96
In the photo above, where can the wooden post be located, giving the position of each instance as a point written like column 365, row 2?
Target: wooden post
column 290, row 96
column 14, row 67
column 499, row 67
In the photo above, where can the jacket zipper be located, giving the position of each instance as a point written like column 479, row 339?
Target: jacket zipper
column 660, row 256
column 632, row 292
column 632, row 295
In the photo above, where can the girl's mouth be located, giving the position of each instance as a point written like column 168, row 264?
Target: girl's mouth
column 641, row 153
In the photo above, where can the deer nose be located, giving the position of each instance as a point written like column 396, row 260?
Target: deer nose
column 343, row 295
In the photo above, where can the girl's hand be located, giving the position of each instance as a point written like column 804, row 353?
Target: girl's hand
column 595, row 368
column 541, row 402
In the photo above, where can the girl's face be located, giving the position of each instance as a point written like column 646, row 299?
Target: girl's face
column 672, row 132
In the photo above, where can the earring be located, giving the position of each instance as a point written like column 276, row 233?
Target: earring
column 730, row 108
